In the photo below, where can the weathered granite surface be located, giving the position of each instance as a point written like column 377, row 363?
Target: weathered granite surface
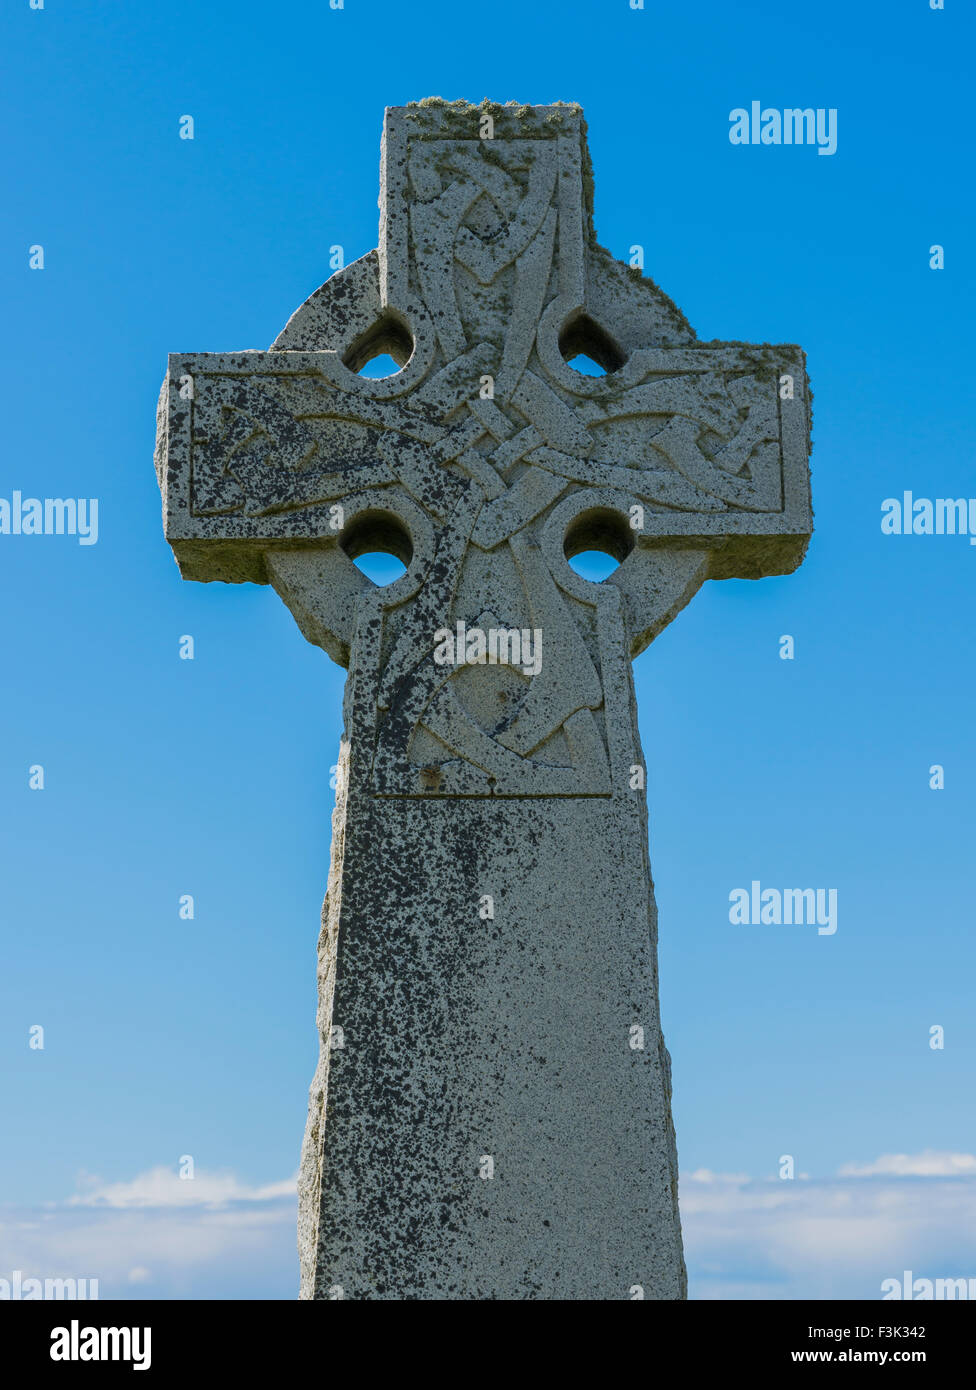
column 490, row 1117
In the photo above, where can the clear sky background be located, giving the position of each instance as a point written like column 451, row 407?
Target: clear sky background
column 164, row 777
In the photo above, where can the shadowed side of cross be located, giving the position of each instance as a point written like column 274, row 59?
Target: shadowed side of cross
column 486, row 462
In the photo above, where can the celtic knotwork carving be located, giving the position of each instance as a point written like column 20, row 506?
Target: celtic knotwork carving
column 485, row 281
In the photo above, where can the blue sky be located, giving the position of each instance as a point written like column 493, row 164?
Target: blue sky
column 164, row 777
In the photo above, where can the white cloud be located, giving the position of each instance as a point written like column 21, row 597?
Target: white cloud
column 705, row 1175
column 930, row 1163
column 830, row 1238
column 160, row 1236
column 215, row 1236
column 161, row 1187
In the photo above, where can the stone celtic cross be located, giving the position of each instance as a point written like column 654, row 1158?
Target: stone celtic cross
column 490, row 1117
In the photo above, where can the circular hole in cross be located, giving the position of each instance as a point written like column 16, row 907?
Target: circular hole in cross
column 379, row 545
column 597, row 542
column 382, row 350
column 588, row 348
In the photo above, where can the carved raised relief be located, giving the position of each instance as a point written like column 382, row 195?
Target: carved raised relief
column 488, row 454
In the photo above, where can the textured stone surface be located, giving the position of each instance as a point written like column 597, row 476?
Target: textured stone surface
column 491, row 1112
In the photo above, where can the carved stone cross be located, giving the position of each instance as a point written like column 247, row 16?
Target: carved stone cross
column 490, row 1117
